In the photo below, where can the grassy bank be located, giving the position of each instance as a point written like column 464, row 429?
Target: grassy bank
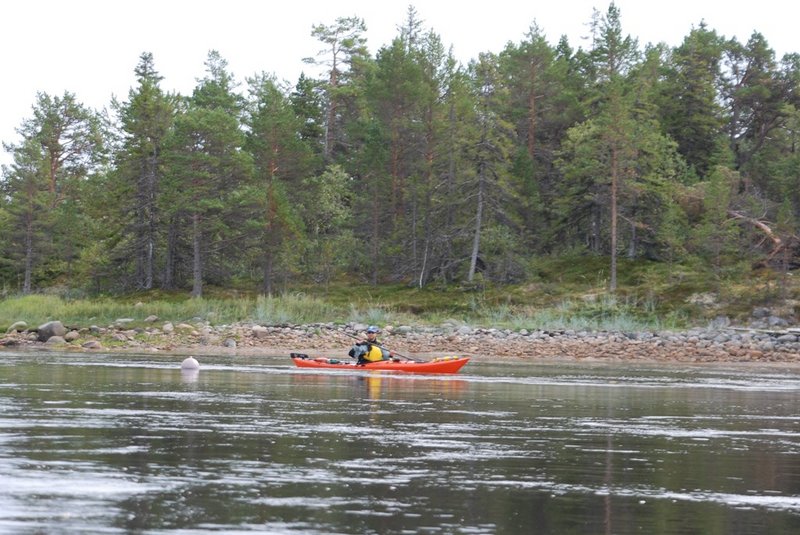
column 37, row 309
column 567, row 293
column 298, row 308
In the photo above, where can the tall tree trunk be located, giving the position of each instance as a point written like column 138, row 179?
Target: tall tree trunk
column 53, row 174
column 330, row 119
column 375, row 245
column 784, row 287
column 266, row 284
column 150, row 245
column 734, row 143
column 271, row 227
column 397, row 180
column 532, row 112
column 633, row 246
column 197, row 260
column 138, row 270
column 449, row 215
column 414, row 215
column 26, row 284
column 148, row 272
column 426, row 230
column 169, row 258
column 145, row 225
column 423, row 275
column 476, row 240
column 594, row 230
column 614, row 179
column 428, row 201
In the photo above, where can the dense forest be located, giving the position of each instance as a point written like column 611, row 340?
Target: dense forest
column 408, row 166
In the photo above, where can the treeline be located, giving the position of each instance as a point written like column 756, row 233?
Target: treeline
column 408, row 166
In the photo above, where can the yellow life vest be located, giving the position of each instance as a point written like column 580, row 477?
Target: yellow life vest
column 374, row 354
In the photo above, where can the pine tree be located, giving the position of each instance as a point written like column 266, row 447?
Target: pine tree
column 614, row 56
column 618, row 158
column 62, row 145
column 28, row 208
column 688, row 106
column 206, row 166
column 756, row 92
column 345, row 47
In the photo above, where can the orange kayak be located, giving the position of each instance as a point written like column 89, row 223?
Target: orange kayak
column 437, row 365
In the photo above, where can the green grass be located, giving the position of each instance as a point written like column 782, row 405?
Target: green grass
column 295, row 308
column 303, row 309
column 37, row 309
column 565, row 293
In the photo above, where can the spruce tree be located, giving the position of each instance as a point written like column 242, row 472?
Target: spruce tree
column 281, row 160
column 146, row 119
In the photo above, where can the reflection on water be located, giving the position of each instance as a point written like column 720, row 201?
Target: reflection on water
column 133, row 444
column 189, row 375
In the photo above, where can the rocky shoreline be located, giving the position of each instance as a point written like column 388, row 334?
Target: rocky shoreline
column 703, row 345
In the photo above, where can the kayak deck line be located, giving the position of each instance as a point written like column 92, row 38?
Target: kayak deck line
column 437, row 365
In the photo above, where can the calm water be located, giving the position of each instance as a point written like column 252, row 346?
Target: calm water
column 131, row 444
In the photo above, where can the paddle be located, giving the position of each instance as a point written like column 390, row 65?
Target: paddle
column 385, row 348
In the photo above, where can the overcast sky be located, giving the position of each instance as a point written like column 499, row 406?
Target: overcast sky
column 91, row 47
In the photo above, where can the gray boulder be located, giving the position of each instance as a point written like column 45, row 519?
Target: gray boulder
column 259, row 331
column 50, row 329
column 72, row 336
column 761, row 312
column 775, row 321
column 17, row 327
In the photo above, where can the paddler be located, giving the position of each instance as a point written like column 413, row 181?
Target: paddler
column 369, row 349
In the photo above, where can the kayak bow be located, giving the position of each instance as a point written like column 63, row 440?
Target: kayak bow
column 437, row 365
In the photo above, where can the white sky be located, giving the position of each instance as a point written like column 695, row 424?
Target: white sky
column 91, row 47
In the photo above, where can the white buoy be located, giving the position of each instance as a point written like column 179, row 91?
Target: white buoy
column 190, row 363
